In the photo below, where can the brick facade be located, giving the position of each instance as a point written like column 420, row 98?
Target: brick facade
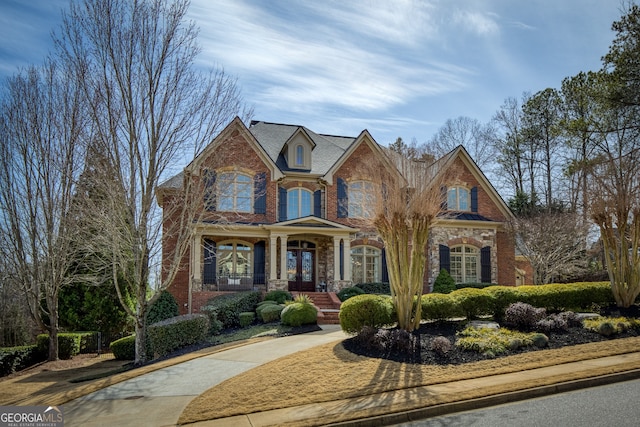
column 236, row 150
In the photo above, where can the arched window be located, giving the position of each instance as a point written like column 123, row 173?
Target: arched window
column 366, row 264
column 299, row 203
column 234, row 261
column 465, row 264
column 299, row 155
column 234, row 192
column 458, row 199
column 361, row 199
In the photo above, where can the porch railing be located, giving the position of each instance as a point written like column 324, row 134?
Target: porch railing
column 234, row 282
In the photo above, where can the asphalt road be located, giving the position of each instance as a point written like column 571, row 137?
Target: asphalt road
column 613, row 405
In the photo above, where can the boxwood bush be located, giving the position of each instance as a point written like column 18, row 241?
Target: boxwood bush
column 439, row 307
column 124, row 348
column 366, row 310
column 444, row 283
column 375, row 288
column 227, row 308
column 278, row 296
column 177, row 332
column 270, row 312
column 247, row 318
column 346, row 293
column 13, row 359
column 473, row 302
column 299, row 313
column 69, row 343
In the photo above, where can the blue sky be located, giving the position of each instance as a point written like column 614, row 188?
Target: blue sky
column 396, row 68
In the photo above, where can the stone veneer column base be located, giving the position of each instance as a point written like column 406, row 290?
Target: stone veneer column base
column 277, row 284
column 338, row 285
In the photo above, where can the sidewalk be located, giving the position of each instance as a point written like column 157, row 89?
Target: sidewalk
column 158, row 398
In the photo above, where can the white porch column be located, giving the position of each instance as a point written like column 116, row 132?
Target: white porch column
column 273, row 257
column 283, row 257
column 347, row 259
column 336, row 259
column 196, row 268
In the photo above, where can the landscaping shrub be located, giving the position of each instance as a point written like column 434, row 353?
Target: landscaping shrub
column 441, row 345
column 247, row 318
column 439, row 307
column 278, row 296
column 523, row 316
column 474, row 285
column 473, row 302
column 347, row 293
column 503, row 296
column 608, row 326
column 68, row 344
column 382, row 339
column 261, row 306
column 227, row 308
column 13, row 359
column 124, row 348
column 444, row 283
column 180, row 331
column 375, row 288
column 271, row 312
column 366, row 310
column 493, row 342
column 299, row 313
column 165, row 307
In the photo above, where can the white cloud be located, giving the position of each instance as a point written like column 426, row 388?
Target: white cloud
column 477, row 22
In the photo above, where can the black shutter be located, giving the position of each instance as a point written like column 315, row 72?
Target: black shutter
column 474, row 199
column 282, row 207
column 445, row 258
column 343, row 198
column 485, row 264
column 317, row 203
column 443, row 194
column 259, row 263
column 210, row 190
column 385, row 272
column 260, row 193
column 209, row 268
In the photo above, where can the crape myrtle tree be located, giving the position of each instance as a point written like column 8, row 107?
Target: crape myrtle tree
column 408, row 200
column 41, row 151
column 150, row 110
column 615, row 176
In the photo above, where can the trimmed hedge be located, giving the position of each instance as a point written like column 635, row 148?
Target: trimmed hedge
column 177, row 332
column 124, row 348
column 349, row 292
column 366, row 310
column 375, row 288
column 13, row 359
column 299, row 313
column 227, row 308
column 494, row 300
column 247, row 318
column 473, row 302
column 69, row 343
column 278, row 296
column 270, row 312
column 439, row 307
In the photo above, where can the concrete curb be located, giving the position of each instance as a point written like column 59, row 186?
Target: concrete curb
column 483, row 402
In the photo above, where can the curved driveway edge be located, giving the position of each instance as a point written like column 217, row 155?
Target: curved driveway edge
column 158, row 398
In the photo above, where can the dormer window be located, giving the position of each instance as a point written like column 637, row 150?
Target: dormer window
column 298, row 151
column 299, row 156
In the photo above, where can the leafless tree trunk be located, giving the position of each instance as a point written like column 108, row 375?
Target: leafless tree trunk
column 41, row 154
column 511, row 150
column 406, row 203
column 150, row 111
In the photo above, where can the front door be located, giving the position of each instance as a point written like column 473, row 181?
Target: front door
column 301, row 269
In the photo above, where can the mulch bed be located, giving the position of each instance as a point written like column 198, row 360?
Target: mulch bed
column 420, row 351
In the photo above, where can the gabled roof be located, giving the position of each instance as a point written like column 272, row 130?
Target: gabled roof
column 273, row 137
column 460, row 152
